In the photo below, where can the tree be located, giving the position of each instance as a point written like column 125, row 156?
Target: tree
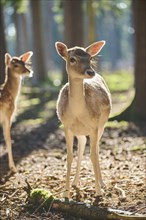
column 22, row 41
column 73, row 23
column 73, row 26
column 38, row 57
column 48, row 25
column 137, row 110
column 2, row 46
column 19, row 6
column 91, row 10
column 139, row 103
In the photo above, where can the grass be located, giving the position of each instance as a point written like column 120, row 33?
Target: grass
column 119, row 81
column 116, row 124
column 121, row 86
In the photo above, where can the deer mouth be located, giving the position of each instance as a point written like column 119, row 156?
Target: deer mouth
column 27, row 72
column 90, row 73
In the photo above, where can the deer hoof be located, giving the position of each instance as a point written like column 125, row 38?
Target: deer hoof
column 13, row 169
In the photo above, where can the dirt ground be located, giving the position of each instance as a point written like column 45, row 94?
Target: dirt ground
column 40, row 154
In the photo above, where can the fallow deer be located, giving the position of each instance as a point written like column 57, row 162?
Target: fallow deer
column 83, row 107
column 15, row 69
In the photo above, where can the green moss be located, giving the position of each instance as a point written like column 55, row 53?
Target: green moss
column 41, row 197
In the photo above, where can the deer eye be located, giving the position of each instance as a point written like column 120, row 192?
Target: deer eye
column 73, row 60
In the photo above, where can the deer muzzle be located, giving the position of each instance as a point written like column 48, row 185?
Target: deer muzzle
column 89, row 73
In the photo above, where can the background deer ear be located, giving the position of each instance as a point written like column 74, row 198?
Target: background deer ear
column 95, row 48
column 7, row 58
column 26, row 56
column 61, row 49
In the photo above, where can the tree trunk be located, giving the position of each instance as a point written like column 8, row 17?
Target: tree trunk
column 47, row 18
column 137, row 110
column 139, row 104
column 38, row 57
column 91, row 22
column 73, row 26
column 22, row 43
column 2, row 46
column 73, row 23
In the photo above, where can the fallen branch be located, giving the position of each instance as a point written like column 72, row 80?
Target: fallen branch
column 44, row 199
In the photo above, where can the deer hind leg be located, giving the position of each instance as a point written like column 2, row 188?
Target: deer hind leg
column 81, row 148
column 69, row 142
column 7, row 136
column 100, row 132
column 94, row 145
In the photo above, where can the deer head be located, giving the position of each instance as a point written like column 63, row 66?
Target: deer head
column 78, row 59
column 20, row 66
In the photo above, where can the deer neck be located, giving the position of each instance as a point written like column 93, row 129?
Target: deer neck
column 13, row 84
column 76, row 91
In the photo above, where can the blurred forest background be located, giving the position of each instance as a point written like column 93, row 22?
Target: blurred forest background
column 37, row 24
column 38, row 139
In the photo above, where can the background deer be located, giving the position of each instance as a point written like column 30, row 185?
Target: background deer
column 16, row 67
column 83, row 106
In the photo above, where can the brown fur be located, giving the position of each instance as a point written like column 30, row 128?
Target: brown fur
column 15, row 68
column 83, row 106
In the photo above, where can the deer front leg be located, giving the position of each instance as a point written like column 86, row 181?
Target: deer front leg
column 69, row 143
column 94, row 145
column 7, row 137
column 81, row 148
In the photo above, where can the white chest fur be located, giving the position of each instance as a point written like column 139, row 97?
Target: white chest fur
column 77, row 118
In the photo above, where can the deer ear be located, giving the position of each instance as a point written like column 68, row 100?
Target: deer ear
column 61, row 49
column 26, row 56
column 7, row 58
column 95, row 48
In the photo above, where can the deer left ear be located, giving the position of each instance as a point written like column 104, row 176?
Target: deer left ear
column 26, row 56
column 95, row 48
column 7, row 58
column 61, row 49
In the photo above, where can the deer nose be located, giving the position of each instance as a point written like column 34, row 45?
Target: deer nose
column 89, row 72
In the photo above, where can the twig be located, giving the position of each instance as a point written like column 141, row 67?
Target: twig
column 34, row 216
column 59, row 193
column 41, row 205
column 13, row 193
column 123, row 195
column 28, row 188
column 138, row 210
column 4, row 186
column 4, row 196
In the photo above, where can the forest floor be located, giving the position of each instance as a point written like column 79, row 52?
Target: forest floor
column 40, row 156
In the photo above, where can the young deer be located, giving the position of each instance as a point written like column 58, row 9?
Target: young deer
column 83, row 106
column 16, row 67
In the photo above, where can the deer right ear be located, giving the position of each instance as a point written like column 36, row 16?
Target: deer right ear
column 95, row 48
column 7, row 58
column 61, row 49
column 26, row 56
